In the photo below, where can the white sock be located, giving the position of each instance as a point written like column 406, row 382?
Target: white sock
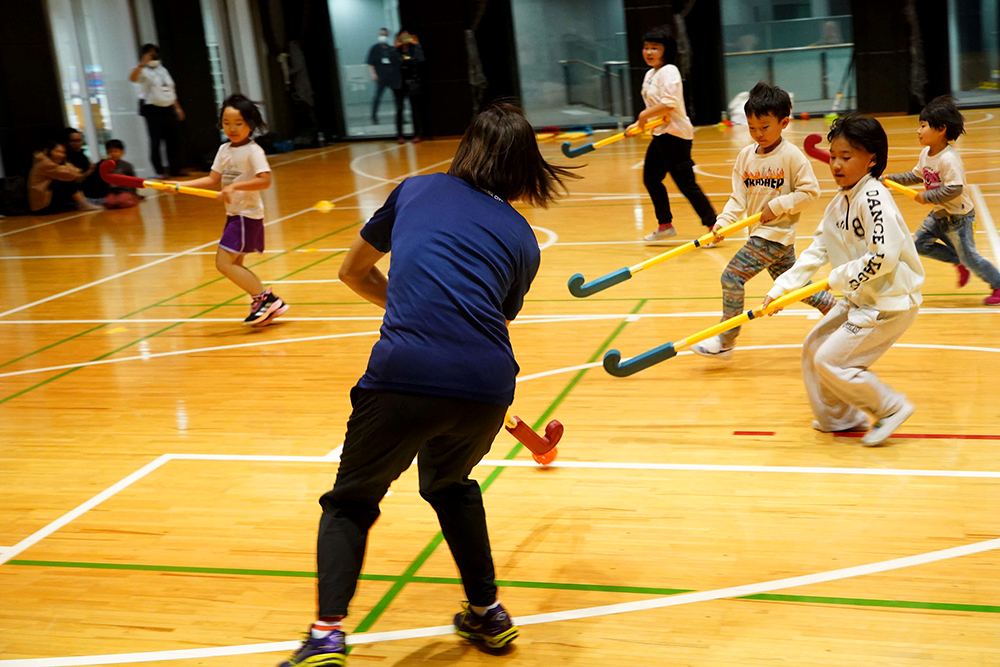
column 322, row 629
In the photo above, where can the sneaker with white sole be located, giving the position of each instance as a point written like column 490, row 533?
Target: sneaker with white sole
column 712, row 347
column 884, row 428
column 663, row 232
column 860, row 426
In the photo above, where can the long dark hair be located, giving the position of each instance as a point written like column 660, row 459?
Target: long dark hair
column 499, row 154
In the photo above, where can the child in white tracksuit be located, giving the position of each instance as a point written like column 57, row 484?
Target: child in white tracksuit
column 876, row 266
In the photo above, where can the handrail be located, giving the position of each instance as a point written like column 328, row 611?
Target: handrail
column 794, row 48
column 602, row 70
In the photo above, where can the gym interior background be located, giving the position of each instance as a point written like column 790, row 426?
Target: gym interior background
column 568, row 62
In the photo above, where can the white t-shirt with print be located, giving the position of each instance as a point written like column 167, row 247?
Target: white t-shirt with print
column 664, row 86
column 241, row 163
column 945, row 168
column 158, row 86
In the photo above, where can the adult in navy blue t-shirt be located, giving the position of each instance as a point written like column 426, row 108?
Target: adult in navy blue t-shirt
column 442, row 373
column 462, row 261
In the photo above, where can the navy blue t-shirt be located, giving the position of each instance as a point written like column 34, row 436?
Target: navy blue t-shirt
column 462, row 261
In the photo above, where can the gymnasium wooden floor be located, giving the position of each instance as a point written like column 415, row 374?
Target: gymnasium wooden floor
column 161, row 463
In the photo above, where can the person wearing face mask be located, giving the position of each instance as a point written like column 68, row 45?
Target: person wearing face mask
column 386, row 68
column 412, row 55
column 159, row 107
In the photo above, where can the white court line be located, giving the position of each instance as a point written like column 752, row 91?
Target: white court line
column 204, row 245
column 302, row 282
column 50, row 222
column 2, row 257
column 39, row 535
column 535, row 619
column 984, row 215
column 705, row 467
column 174, row 353
column 553, row 237
column 537, row 319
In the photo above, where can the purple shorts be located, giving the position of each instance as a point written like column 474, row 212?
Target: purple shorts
column 242, row 235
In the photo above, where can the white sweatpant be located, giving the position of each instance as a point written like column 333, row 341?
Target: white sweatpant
column 836, row 356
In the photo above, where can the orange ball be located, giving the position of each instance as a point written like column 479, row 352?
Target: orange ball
column 805, row 115
column 546, row 458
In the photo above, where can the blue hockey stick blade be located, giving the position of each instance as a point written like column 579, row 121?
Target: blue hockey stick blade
column 614, row 365
column 581, row 289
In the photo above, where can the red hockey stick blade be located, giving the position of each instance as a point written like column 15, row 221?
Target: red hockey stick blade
column 816, row 153
column 536, row 443
column 118, row 179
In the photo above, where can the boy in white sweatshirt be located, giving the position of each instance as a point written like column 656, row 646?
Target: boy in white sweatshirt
column 771, row 176
column 876, row 266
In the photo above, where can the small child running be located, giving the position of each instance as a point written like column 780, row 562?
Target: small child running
column 241, row 168
column 946, row 234
column 773, row 177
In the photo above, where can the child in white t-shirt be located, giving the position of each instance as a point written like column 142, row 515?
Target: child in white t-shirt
column 670, row 150
column 946, row 234
column 771, row 176
column 241, row 168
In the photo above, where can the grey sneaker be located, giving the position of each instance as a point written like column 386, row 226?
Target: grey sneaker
column 661, row 234
column 885, row 427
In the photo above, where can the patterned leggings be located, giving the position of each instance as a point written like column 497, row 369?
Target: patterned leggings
column 759, row 254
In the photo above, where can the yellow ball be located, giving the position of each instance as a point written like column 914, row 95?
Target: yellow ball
column 324, row 206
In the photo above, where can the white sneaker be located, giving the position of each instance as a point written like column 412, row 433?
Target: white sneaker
column 884, row 427
column 661, row 234
column 712, row 347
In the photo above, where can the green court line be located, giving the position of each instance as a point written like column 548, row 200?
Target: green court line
column 180, row 294
column 175, row 324
column 376, row 612
column 544, row 585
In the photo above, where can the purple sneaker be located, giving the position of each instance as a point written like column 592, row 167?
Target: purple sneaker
column 329, row 650
column 495, row 629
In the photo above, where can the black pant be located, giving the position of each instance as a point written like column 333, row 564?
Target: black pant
column 385, row 431
column 161, row 122
column 62, row 198
column 412, row 91
column 668, row 154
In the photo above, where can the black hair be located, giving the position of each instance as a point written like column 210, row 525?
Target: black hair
column 864, row 132
column 942, row 113
column 148, row 48
column 66, row 134
column 114, row 143
column 247, row 108
column 665, row 36
column 499, row 154
column 50, row 144
column 766, row 99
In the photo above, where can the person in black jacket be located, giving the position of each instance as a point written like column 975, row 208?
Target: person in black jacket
column 412, row 56
column 385, row 67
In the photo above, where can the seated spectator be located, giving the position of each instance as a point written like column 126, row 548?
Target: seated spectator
column 113, row 196
column 73, row 141
column 53, row 185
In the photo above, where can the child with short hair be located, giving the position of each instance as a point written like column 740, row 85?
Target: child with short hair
column 241, row 168
column 443, row 372
column 115, row 196
column 670, row 150
column 773, row 177
column 946, row 233
column 876, row 266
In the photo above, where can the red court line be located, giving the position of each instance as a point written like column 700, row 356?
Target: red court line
column 912, row 436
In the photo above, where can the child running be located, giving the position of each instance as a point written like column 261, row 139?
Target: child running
column 442, row 373
column 773, row 177
column 670, row 150
column 876, row 266
column 241, row 168
column 946, row 234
